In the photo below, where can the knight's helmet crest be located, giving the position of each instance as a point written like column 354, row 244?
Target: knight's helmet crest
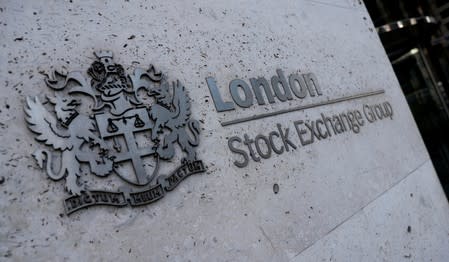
column 107, row 75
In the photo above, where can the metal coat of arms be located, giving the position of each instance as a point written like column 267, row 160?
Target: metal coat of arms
column 110, row 124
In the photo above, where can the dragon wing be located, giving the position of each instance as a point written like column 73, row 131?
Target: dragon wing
column 181, row 103
column 41, row 122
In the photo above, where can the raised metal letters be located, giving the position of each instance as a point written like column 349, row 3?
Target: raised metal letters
column 308, row 131
column 100, row 137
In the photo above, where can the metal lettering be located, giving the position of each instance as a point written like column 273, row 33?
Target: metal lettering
column 238, row 151
column 247, row 101
column 309, row 132
column 267, row 144
column 302, row 91
column 326, row 134
column 312, row 84
column 256, row 84
column 280, row 80
column 273, row 146
column 284, row 137
column 313, row 131
column 248, row 143
column 220, row 105
column 302, row 132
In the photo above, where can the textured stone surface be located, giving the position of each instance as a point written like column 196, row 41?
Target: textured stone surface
column 408, row 223
column 229, row 213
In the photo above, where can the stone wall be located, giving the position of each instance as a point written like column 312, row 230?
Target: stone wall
column 367, row 193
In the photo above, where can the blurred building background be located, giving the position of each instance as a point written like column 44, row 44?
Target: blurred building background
column 415, row 34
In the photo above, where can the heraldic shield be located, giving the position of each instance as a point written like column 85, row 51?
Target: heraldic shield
column 103, row 135
column 126, row 125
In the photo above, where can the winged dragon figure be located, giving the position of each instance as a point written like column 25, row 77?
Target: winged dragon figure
column 173, row 113
column 66, row 132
